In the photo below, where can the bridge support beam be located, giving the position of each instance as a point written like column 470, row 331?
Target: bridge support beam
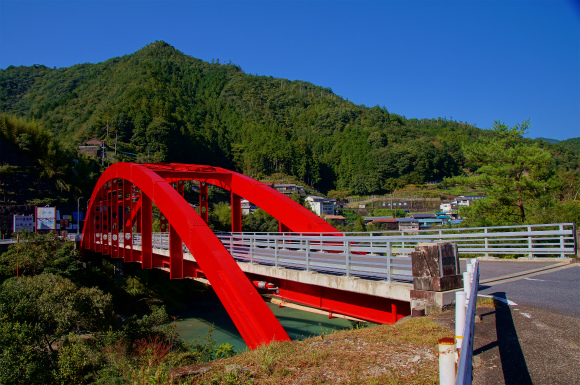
column 98, row 212
column 175, row 254
column 283, row 228
column 375, row 309
column 127, row 223
column 106, row 221
column 203, row 204
column 146, row 232
column 236, row 213
column 115, row 218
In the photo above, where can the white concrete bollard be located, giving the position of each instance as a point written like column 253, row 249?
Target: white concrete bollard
column 447, row 353
column 460, row 308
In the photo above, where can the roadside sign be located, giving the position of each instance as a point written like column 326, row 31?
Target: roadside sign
column 22, row 223
column 46, row 218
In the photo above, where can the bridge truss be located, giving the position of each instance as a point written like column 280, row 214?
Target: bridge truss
column 122, row 205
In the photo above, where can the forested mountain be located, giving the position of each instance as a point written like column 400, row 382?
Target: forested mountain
column 166, row 106
column 572, row 145
column 549, row 140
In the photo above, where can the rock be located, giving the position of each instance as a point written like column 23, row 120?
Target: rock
column 234, row 369
column 415, row 359
column 186, row 371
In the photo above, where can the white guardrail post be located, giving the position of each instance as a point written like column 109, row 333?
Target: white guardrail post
column 460, row 308
column 465, row 364
column 464, row 325
column 447, row 357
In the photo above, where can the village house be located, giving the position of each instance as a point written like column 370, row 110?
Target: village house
column 321, row 205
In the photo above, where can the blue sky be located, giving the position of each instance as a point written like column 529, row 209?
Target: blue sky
column 471, row 61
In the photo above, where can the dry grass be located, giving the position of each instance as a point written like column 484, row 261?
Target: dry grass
column 387, row 354
column 485, row 302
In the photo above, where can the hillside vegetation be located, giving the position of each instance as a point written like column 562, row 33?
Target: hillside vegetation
column 159, row 105
column 165, row 106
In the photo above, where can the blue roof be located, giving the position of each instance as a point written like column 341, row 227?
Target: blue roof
column 406, row 220
column 423, row 215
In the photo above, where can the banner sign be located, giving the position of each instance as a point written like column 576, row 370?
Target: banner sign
column 22, row 223
column 46, row 218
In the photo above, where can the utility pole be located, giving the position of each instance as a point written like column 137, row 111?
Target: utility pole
column 78, row 213
column 17, row 252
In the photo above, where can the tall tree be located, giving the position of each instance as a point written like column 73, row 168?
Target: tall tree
column 513, row 171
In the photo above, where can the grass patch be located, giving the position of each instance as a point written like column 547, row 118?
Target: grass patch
column 384, row 354
column 485, row 302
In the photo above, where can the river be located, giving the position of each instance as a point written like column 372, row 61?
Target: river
column 194, row 323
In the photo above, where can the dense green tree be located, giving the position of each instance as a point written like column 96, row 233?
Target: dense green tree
column 260, row 221
column 55, row 330
column 35, row 254
column 36, row 313
column 513, row 173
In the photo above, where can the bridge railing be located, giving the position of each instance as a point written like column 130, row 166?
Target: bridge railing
column 531, row 240
column 382, row 259
column 384, row 255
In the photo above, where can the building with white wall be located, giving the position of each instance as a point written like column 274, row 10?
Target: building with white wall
column 320, row 205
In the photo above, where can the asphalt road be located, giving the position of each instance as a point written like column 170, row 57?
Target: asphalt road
column 556, row 291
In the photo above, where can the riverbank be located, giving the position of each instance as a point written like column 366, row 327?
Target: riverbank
column 382, row 354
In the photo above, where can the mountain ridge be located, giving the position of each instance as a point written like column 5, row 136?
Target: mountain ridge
column 164, row 105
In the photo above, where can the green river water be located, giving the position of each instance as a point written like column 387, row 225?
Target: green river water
column 194, row 323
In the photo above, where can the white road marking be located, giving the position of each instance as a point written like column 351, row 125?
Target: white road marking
column 533, row 279
column 526, row 315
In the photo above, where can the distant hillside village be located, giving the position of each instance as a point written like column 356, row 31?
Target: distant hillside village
column 447, row 214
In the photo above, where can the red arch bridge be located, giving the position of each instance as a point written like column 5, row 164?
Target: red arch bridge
column 308, row 264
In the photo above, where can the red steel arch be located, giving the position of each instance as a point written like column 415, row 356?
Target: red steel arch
column 124, row 195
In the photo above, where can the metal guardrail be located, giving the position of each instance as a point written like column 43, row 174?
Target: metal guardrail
column 465, row 365
column 384, row 255
column 531, row 240
column 347, row 256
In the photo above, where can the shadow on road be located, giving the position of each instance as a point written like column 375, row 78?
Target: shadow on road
column 513, row 362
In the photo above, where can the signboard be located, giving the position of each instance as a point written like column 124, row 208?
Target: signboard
column 22, row 223
column 80, row 215
column 46, row 218
column 65, row 222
